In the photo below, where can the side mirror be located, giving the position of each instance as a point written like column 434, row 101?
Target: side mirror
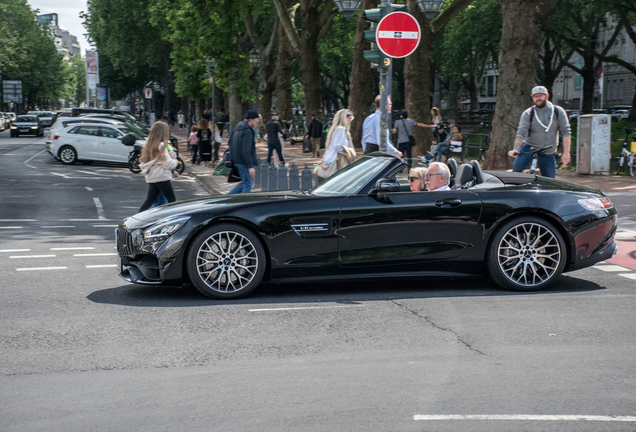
column 385, row 185
column 128, row 140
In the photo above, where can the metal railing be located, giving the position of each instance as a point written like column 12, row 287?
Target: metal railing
column 270, row 177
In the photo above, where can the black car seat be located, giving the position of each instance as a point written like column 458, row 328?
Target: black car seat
column 452, row 166
column 464, row 177
column 479, row 175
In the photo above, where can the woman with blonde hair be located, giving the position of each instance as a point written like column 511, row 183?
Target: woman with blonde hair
column 339, row 151
column 157, row 163
column 416, row 179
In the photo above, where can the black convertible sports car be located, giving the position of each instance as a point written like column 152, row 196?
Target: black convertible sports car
column 521, row 230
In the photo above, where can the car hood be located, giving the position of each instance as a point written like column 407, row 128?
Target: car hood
column 25, row 123
column 205, row 205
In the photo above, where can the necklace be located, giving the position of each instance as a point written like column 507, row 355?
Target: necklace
column 547, row 128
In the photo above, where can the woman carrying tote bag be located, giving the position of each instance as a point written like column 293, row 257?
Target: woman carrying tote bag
column 339, row 151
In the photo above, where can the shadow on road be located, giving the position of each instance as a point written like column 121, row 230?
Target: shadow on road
column 340, row 292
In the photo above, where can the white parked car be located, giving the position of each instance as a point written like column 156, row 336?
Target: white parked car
column 620, row 115
column 63, row 122
column 95, row 142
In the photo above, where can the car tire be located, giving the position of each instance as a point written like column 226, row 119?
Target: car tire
column 68, row 155
column 526, row 254
column 226, row 261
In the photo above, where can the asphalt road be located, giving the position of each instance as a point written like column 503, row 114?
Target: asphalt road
column 80, row 349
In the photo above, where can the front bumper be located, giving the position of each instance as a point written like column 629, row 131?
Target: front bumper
column 157, row 263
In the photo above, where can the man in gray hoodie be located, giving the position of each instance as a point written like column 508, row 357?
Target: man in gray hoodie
column 242, row 147
column 539, row 127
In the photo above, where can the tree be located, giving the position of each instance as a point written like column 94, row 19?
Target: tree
column 314, row 21
column 518, row 58
column 78, row 70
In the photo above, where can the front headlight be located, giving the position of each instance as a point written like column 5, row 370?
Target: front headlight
column 13, row 127
column 164, row 228
column 34, row 127
column 596, row 203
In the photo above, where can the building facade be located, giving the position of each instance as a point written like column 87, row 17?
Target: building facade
column 66, row 43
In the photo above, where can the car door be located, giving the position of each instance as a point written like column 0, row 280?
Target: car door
column 407, row 231
column 85, row 139
column 110, row 146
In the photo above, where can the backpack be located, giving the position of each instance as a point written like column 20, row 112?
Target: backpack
column 556, row 111
column 227, row 161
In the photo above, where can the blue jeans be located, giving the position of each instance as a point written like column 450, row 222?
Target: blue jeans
column 245, row 185
column 437, row 150
column 161, row 200
column 546, row 163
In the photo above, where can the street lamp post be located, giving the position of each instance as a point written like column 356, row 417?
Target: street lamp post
column 430, row 7
column 211, row 64
column 348, row 7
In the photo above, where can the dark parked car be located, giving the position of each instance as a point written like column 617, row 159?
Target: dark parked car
column 47, row 118
column 27, row 124
column 521, row 230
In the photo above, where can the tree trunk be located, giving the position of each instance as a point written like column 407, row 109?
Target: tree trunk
column 362, row 78
column 283, row 77
column 236, row 106
column 308, row 58
column 416, row 83
column 518, row 60
column 451, row 104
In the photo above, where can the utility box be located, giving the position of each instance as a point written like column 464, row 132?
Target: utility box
column 593, row 151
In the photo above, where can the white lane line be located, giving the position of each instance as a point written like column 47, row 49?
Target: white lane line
column 83, row 220
column 30, row 166
column 301, row 308
column 32, row 256
column 611, row 268
column 73, row 248
column 59, row 174
column 88, row 189
column 15, row 250
column 102, row 266
column 526, row 417
column 105, row 226
column 33, row 157
column 18, row 220
column 629, row 275
column 59, row 226
column 95, row 254
column 93, row 173
column 40, row 268
column 100, row 209
column 13, row 227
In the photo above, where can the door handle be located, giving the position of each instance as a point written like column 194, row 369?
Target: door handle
column 448, row 202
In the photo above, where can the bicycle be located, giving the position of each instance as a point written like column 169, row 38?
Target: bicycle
column 535, row 157
column 485, row 145
column 626, row 159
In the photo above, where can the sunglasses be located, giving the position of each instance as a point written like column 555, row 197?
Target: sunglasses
column 428, row 176
column 412, row 179
column 349, row 115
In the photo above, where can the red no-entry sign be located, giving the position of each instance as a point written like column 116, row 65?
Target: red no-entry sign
column 398, row 34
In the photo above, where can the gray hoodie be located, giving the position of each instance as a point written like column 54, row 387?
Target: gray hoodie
column 538, row 136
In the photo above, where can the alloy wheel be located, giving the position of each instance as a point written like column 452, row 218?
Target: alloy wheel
column 227, row 262
column 529, row 254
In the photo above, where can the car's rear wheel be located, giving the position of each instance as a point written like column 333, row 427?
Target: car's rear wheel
column 68, row 155
column 526, row 254
column 226, row 261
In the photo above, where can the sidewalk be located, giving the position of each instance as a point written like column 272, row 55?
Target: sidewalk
column 216, row 185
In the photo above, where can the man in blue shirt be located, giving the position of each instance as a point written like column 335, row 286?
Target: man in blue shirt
column 371, row 132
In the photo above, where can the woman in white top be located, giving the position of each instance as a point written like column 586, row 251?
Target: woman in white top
column 157, row 163
column 339, row 151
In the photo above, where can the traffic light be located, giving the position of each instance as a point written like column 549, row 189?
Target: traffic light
column 374, row 55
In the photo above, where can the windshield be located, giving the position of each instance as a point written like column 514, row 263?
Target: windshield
column 352, row 178
column 27, row 119
column 138, row 134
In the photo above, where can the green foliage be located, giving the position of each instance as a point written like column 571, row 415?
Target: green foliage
column 28, row 54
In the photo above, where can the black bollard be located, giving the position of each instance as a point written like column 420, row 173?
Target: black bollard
column 271, row 177
column 264, row 174
column 282, row 177
column 294, row 181
column 305, row 178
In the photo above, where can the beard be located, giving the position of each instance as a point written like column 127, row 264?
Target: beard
column 542, row 103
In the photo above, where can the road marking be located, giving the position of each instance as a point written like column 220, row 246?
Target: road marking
column 30, row 166
column 18, row 220
column 526, row 417
column 629, row 275
column 40, row 268
column 16, row 227
column 73, row 248
column 611, row 268
column 59, row 226
column 32, row 256
column 34, row 156
column 15, row 250
column 100, row 209
column 93, row 173
column 83, row 220
column 105, row 226
column 88, row 189
column 94, row 254
column 102, row 266
column 58, row 174
column 301, row 308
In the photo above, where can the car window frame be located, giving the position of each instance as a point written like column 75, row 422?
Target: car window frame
column 119, row 133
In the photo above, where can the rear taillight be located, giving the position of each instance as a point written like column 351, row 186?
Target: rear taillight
column 55, row 137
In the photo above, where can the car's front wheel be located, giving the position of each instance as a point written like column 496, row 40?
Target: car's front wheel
column 226, row 261
column 68, row 155
column 526, row 254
